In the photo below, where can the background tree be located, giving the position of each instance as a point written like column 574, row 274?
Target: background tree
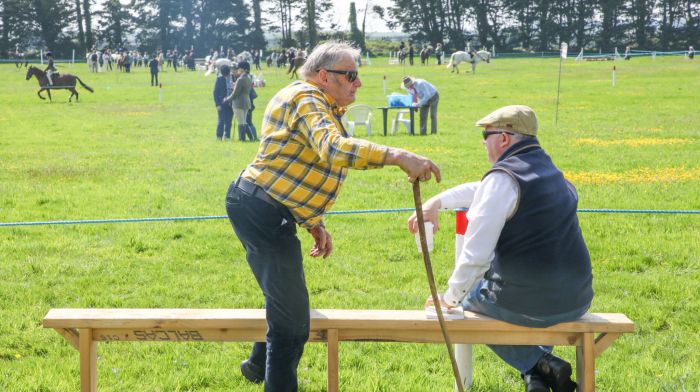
column 356, row 36
column 87, row 15
column 310, row 15
column 79, row 19
column 257, row 37
column 51, row 17
column 117, row 21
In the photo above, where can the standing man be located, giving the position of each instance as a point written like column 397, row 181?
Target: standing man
column 302, row 161
column 524, row 260
column 411, row 53
column 222, row 89
column 426, row 97
column 127, row 61
column 439, row 52
column 176, row 59
column 256, row 58
column 153, row 66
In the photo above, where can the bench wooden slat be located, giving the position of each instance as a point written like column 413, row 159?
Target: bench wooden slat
column 320, row 319
column 84, row 328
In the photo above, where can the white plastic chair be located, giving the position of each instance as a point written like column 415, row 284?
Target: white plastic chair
column 403, row 117
column 358, row 115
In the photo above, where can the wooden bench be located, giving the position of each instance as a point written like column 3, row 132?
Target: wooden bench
column 84, row 328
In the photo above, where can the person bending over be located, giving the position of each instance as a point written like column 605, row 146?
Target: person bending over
column 426, row 97
column 302, row 161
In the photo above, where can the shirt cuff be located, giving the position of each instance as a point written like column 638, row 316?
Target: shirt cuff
column 452, row 297
column 312, row 222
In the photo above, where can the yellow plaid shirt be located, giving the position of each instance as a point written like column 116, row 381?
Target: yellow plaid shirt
column 305, row 153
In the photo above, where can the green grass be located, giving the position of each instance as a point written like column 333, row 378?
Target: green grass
column 120, row 153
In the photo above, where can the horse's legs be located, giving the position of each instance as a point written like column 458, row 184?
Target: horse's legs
column 474, row 67
column 73, row 91
column 39, row 93
column 49, row 92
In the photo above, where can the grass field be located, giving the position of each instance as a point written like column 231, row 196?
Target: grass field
column 121, row 153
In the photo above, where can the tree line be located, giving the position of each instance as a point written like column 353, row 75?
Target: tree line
column 541, row 25
column 528, row 25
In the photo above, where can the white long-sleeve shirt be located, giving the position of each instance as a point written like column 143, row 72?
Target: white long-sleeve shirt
column 491, row 202
column 424, row 90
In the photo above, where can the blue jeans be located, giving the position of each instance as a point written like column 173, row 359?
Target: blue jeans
column 223, row 127
column 523, row 358
column 273, row 251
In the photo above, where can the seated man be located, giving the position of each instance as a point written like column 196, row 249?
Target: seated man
column 524, row 260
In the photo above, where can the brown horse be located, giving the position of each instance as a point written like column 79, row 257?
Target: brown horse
column 65, row 81
column 425, row 54
column 294, row 66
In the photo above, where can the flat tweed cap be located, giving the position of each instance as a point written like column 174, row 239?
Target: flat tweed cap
column 517, row 118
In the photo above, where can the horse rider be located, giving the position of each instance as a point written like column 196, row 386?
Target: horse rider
column 472, row 52
column 50, row 68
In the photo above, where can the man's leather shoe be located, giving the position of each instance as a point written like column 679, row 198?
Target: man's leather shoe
column 557, row 373
column 252, row 372
column 534, row 382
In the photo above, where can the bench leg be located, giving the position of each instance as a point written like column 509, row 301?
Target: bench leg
column 585, row 364
column 332, row 360
column 88, row 361
column 463, row 356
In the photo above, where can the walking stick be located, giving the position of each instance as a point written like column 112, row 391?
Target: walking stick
column 431, row 281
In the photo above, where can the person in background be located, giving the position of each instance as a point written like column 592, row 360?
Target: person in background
column 107, row 58
column 524, row 259
column 153, row 65
column 240, row 100
column 411, row 53
column 426, row 97
column 302, row 160
column 176, row 59
column 222, row 89
column 257, row 54
column 127, row 61
column 691, row 52
column 249, row 116
column 439, row 52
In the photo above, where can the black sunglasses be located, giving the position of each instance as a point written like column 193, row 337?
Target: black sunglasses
column 350, row 75
column 486, row 134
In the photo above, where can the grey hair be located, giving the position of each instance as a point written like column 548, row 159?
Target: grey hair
column 326, row 55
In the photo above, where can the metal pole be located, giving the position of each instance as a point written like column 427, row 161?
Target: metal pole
column 431, row 281
column 556, row 121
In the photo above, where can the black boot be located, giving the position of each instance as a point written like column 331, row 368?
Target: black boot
column 242, row 130
column 534, row 382
column 557, row 373
column 252, row 372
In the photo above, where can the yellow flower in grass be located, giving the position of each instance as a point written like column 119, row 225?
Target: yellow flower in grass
column 632, row 142
column 636, row 176
column 18, row 356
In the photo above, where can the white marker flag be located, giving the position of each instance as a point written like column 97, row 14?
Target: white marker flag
column 564, row 50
